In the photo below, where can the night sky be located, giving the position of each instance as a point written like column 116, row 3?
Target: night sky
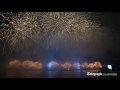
column 104, row 50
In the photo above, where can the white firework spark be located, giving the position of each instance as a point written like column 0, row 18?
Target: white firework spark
column 21, row 29
column 64, row 26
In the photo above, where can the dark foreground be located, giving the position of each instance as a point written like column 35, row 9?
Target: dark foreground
column 46, row 74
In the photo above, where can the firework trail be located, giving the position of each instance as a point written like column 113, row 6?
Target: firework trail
column 64, row 26
column 19, row 29
column 22, row 29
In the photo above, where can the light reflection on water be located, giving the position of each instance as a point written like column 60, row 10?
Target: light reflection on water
column 46, row 74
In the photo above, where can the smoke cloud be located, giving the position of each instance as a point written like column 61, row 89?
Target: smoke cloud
column 53, row 65
column 26, row 64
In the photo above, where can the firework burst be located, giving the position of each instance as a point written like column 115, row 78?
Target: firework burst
column 65, row 26
column 20, row 29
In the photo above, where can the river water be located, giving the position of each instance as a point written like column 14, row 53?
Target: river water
column 46, row 74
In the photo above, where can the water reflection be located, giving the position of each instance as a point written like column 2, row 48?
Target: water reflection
column 45, row 74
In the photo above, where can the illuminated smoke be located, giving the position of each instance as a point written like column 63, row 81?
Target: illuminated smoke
column 15, row 63
column 53, row 64
column 97, row 64
column 84, row 65
column 31, row 64
column 91, row 65
column 76, row 65
column 66, row 66
column 26, row 64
